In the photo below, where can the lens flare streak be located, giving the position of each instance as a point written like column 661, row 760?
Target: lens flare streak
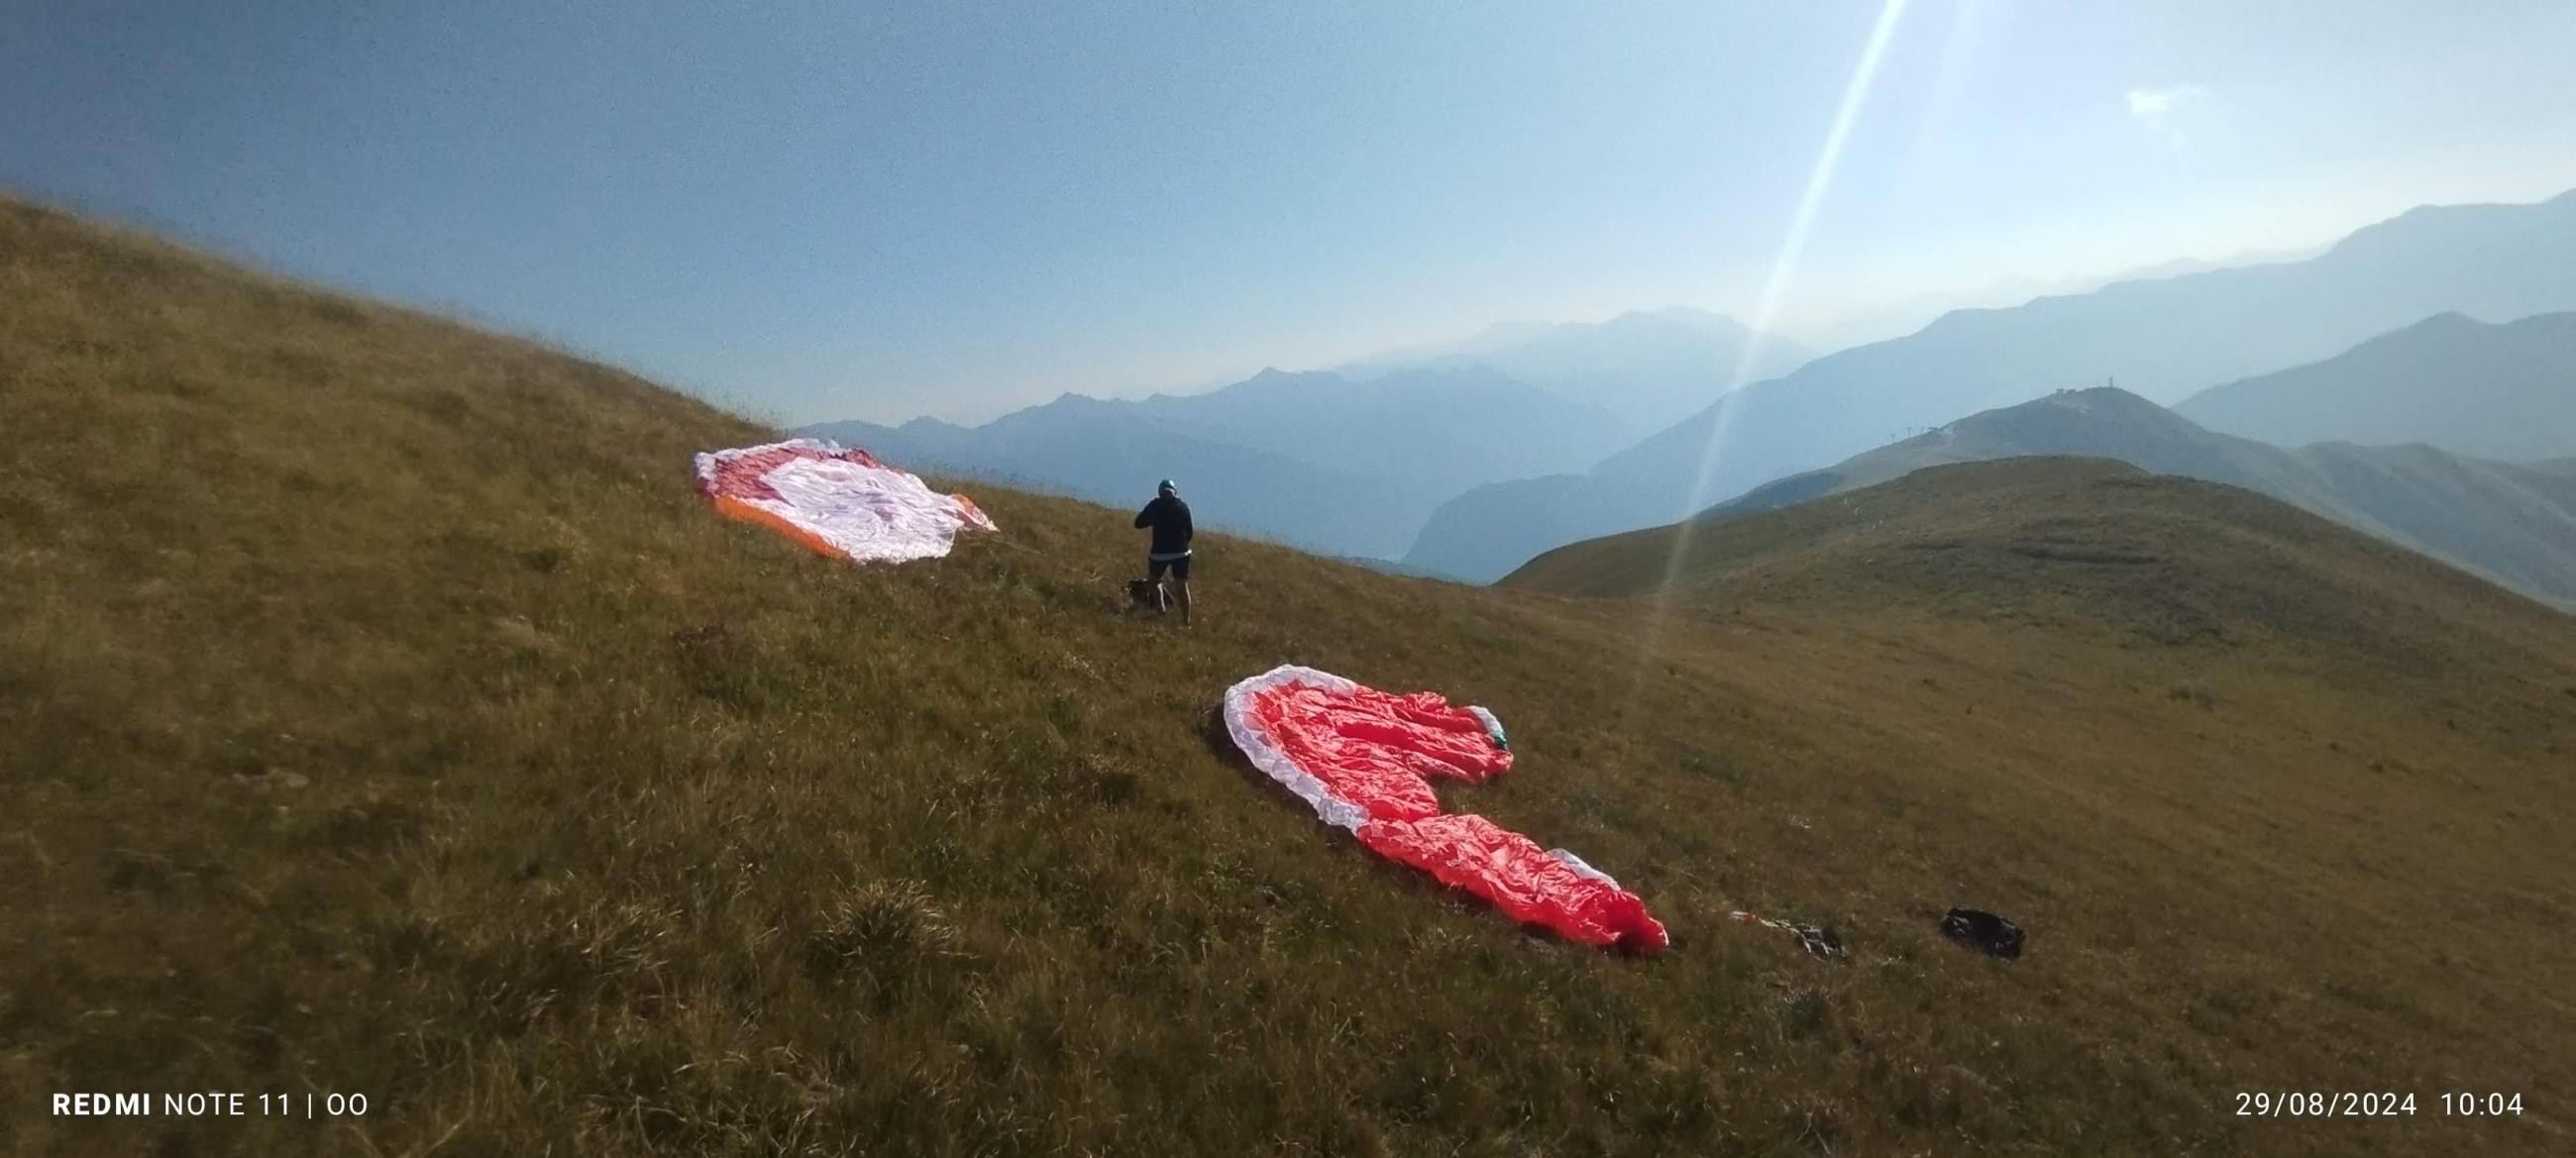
column 1775, row 291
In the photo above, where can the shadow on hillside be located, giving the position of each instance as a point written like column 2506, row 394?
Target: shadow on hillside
column 1220, row 744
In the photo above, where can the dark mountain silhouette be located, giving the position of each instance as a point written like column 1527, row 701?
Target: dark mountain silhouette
column 2511, row 524
column 2164, row 339
column 2505, row 391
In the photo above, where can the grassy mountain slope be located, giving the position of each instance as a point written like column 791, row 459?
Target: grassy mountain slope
column 2502, row 391
column 381, row 713
column 2509, row 523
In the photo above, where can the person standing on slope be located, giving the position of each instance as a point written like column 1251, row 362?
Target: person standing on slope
column 1169, row 518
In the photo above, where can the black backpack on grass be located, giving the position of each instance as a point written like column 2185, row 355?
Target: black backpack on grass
column 1985, row 931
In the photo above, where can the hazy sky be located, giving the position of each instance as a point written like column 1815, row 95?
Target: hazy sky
column 855, row 210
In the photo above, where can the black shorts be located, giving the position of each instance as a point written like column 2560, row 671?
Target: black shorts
column 1180, row 568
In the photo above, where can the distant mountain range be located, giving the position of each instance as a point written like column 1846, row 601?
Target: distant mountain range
column 1106, row 452
column 2511, row 524
column 2163, row 339
column 1441, row 429
column 1652, row 368
column 1881, row 321
column 1351, row 462
column 2495, row 391
column 1313, row 459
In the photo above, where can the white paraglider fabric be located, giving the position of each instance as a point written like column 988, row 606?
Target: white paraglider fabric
column 837, row 500
column 1260, row 746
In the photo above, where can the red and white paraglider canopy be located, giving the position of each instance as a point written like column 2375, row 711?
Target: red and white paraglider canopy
column 1364, row 759
column 837, row 500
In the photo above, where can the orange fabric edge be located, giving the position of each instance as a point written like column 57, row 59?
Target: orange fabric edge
column 734, row 508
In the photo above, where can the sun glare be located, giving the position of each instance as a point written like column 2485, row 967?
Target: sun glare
column 1775, row 292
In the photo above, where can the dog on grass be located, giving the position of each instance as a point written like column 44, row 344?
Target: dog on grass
column 1144, row 595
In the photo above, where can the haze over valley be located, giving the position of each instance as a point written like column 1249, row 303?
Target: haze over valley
column 1548, row 434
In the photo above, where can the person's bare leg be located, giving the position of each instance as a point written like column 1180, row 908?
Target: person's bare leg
column 1185, row 603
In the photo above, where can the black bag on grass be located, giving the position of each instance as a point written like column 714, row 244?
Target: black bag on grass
column 1985, row 931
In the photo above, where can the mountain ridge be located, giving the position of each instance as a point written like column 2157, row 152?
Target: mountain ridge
column 1651, row 367
column 2501, row 390
column 1342, row 464
column 2163, row 339
column 2509, row 524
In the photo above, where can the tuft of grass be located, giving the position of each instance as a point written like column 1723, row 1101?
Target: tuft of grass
column 381, row 713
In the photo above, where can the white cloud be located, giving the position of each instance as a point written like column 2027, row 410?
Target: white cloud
column 2152, row 105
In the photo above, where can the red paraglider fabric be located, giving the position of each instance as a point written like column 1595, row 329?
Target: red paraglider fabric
column 1377, row 750
column 1364, row 759
column 1526, row 882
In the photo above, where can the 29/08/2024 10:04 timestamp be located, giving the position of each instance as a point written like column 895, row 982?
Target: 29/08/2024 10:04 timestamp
column 2318, row 1104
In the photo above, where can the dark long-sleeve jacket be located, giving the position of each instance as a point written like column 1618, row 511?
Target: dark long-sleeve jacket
column 1170, row 519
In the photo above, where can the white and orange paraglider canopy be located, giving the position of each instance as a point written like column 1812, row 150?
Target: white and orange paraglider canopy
column 837, row 500
column 1364, row 759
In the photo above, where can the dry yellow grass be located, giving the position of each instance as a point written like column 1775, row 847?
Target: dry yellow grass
column 381, row 713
